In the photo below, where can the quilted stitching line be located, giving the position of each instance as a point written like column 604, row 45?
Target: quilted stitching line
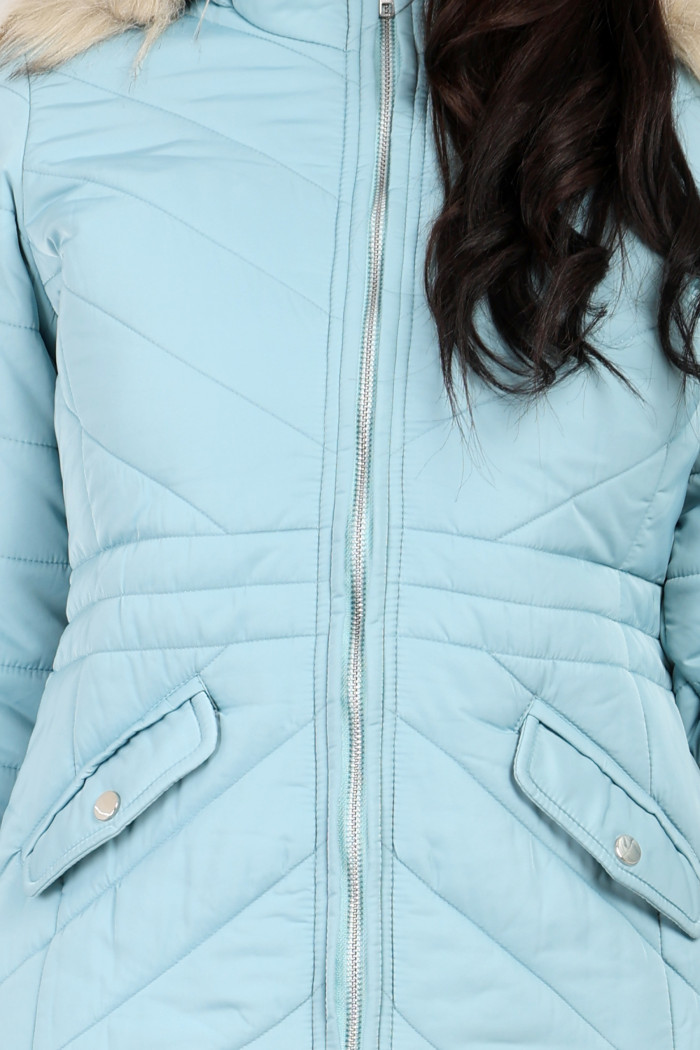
column 591, row 838
column 192, row 536
column 37, row 1000
column 503, row 948
column 57, row 562
column 401, row 296
column 341, row 353
column 668, row 985
column 189, row 364
column 88, row 498
column 541, row 657
column 198, row 944
column 639, row 533
column 138, row 470
column 26, row 441
column 410, row 1024
column 16, row 324
column 582, row 492
column 63, row 384
column 644, row 719
column 502, row 599
column 178, row 591
column 157, row 845
column 275, row 1024
column 66, row 177
column 214, row 132
column 421, row 95
column 435, row 423
column 590, row 886
column 13, row 91
column 273, row 38
column 32, row 668
column 532, row 547
column 321, row 487
column 179, row 648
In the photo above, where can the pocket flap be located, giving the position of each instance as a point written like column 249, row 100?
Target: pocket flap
column 580, row 786
column 174, row 737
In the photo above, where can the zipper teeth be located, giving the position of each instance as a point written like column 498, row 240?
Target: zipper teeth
column 359, row 531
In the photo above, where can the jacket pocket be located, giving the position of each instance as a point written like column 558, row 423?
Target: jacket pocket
column 175, row 736
column 579, row 785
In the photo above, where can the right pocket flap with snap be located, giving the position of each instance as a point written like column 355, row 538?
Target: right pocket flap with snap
column 577, row 783
column 173, row 738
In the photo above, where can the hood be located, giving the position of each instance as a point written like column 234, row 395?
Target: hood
column 48, row 32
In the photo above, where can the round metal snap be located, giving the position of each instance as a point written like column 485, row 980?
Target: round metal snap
column 627, row 849
column 106, row 805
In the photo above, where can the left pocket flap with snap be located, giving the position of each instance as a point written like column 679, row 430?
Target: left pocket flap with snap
column 173, row 738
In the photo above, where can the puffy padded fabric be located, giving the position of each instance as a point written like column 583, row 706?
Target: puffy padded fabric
column 183, row 270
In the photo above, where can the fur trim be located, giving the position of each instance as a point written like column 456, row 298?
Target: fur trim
column 48, row 32
column 683, row 18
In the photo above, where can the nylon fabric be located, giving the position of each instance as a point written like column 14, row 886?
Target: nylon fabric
column 189, row 249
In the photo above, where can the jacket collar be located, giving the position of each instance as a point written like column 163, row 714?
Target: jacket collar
column 53, row 30
column 318, row 21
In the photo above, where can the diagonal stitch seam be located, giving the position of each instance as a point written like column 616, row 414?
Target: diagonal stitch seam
column 16, row 324
column 583, row 492
column 68, row 177
column 541, row 657
column 119, row 596
column 26, row 441
column 503, row 948
column 532, row 547
column 270, row 37
column 468, row 772
column 120, row 544
column 54, row 562
column 198, row 124
column 142, row 473
column 178, row 648
column 321, row 489
column 155, row 846
column 502, row 599
column 636, row 539
column 190, row 365
column 194, row 947
column 410, row 1024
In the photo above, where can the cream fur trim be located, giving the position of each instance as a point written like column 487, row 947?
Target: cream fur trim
column 683, row 17
column 47, row 32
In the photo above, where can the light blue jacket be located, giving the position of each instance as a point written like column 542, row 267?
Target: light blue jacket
column 322, row 728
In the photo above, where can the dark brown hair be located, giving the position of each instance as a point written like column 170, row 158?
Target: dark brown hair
column 554, row 131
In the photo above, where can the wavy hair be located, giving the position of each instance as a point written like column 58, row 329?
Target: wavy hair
column 554, row 131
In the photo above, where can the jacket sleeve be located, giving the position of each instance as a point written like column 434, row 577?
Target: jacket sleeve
column 33, row 533
column 680, row 605
column 680, row 611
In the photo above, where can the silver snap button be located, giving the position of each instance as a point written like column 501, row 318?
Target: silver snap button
column 106, row 805
column 627, row 849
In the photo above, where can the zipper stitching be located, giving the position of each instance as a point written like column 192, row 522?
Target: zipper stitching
column 353, row 829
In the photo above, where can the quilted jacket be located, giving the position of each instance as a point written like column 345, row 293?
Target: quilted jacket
column 321, row 726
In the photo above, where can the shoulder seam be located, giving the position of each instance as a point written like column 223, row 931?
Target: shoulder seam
column 20, row 217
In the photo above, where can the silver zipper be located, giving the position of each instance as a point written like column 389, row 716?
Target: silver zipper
column 358, row 535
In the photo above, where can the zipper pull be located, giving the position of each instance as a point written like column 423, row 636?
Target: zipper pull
column 386, row 8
